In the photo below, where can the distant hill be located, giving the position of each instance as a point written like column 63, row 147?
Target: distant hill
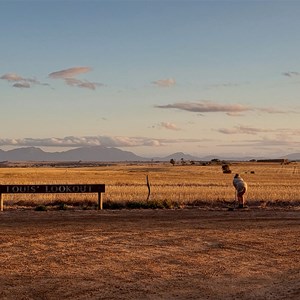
column 98, row 153
column 93, row 153
column 292, row 156
column 106, row 154
column 177, row 156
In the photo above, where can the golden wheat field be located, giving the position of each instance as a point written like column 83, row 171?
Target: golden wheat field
column 269, row 184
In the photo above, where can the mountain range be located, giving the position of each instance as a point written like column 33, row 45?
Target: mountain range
column 93, row 153
column 105, row 154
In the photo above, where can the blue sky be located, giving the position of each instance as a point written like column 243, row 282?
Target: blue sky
column 151, row 77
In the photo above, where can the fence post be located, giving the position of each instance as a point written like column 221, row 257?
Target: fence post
column 149, row 188
column 100, row 201
column 1, row 202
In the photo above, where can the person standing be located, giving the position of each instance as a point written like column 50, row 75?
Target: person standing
column 241, row 188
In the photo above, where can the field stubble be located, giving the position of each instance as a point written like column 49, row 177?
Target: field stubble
column 270, row 184
column 150, row 254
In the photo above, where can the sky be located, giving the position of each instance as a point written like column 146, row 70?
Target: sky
column 151, row 77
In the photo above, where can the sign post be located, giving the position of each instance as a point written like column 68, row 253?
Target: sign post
column 100, row 201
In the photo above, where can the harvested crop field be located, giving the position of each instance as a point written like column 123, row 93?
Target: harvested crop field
column 150, row 254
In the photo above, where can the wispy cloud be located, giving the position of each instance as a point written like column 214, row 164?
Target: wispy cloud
column 165, row 82
column 169, row 126
column 207, row 107
column 235, row 114
column 108, row 141
column 265, row 142
column 213, row 107
column 275, row 139
column 11, row 77
column 281, row 133
column 291, row 74
column 271, row 110
column 69, row 73
column 82, row 83
column 244, row 130
column 68, row 76
column 20, row 81
column 21, row 85
column 226, row 85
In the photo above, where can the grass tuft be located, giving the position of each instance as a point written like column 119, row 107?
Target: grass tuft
column 139, row 204
column 41, row 208
column 62, row 206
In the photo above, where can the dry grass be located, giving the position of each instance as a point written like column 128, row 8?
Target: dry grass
column 270, row 184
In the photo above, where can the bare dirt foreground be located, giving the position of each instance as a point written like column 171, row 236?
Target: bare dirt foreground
column 150, row 254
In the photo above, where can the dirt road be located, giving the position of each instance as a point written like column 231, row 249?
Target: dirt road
column 150, row 254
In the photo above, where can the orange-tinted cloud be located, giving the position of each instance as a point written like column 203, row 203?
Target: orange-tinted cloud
column 68, row 76
column 229, row 109
column 69, row 73
column 20, row 82
column 169, row 126
column 244, row 130
column 165, row 82
column 82, row 83
column 208, row 106
column 12, row 77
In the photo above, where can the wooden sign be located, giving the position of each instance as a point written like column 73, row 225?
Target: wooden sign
column 52, row 189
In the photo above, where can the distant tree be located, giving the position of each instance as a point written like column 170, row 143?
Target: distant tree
column 172, row 161
column 215, row 160
column 226, row 169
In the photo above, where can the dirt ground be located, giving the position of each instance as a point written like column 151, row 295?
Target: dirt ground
column 150, row 254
